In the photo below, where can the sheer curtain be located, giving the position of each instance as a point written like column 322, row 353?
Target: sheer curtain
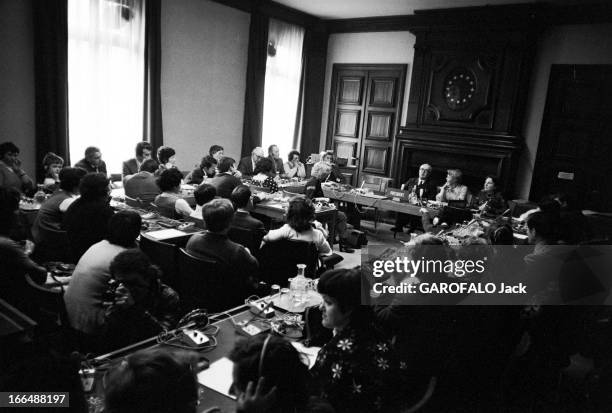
column 106, row 40
column 282, row 87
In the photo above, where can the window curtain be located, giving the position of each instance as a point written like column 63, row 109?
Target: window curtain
column 152, row 119
column 50, row 19
column 106, row 45
column 256, row 76
column 282, row 85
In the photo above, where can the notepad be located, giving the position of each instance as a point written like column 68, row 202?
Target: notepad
column 166, row 234
column 218, row 376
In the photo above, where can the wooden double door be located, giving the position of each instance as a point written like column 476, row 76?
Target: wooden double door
column 364, row 117
column 575, row 148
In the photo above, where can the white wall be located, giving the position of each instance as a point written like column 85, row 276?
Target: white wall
column 572, row 44
column 17, row 122
column 382, row 47
column 203, row 77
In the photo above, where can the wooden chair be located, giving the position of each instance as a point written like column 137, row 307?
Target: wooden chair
column 50, row 312
column 278, row 260
column 162, row 254
column 54, row 246
column 250, row 239
column 204, row 283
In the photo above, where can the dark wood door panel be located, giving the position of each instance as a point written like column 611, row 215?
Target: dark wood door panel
column 350, row 90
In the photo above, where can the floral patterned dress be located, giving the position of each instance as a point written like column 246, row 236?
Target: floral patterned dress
column 357, row 370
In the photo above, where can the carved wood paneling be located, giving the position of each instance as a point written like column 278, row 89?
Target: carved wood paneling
column 375, row 159
column 382, row 92
column 345, row 149
column 350, row 90
column 379, row 125
column 348, row 123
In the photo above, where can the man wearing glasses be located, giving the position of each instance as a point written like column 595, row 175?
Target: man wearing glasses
column 424, row 189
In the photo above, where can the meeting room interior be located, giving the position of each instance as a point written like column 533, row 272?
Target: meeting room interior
column 305, row 206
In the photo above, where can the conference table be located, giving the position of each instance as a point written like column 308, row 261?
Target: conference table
column 215, row 380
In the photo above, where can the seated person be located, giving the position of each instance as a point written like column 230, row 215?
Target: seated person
column 241, row 195
column 132, row 166
column 52, row 165
column 152, row 380
column 489, row 200
column 328, row 158
column 203, row 195
column 166, row 157
column 423, row 188
column 85, row 295
column 320, row 172
column 201, row 174
column 143, row 307
column 276, row 368
column 452, row 190
column 169, row 182
column 264, row 174
column 11, row 174
column 574, row 227
column 277, row 162
column 294, row 168
column 50, row 214
column 225, row 181
column 216, row 151
column 86, row 219
column 92, row 162
column 355, row 369
column 214, row 243
column 14, row 261
column 301, row 226
column 143, row 185
column 247, row 164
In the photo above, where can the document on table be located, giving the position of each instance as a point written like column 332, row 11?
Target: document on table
column 310, row 352
column 165, row 234
column 218, row 376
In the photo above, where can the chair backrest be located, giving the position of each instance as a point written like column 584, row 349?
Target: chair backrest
column 248, row 238
column 138, row 202
column 377, row 183
column 163, row 255
column 51, row 310
column 204, row 283
column 54, row 246
column 278, row 260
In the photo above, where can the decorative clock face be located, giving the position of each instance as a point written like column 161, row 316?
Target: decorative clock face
column 459, row 89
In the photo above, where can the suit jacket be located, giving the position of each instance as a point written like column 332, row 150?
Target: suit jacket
column 243, row 219
column 219, row 248
column 429, row 188
column 225, row 183
column 278, row 165
column 130, row 167
column 83, row 164
column 245, row 166
column 143, row 185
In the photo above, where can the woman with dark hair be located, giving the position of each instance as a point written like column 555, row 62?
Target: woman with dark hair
column 356, row 371
column 14, row 262
column 142, row 305
column 49, row 217
column 152, row 380
column 301, row 226
column 286, row 384
column 169, row 183
column 264, row 174
column 86, row 220
column 166, row 156
column 489, row 200
column 52, row 165
column 11, row 174
column 294, row 167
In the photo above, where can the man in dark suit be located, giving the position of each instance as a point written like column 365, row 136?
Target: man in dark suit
column 214, row 243
column 93, row 161
column 279, row 166
column 242, row 218
column 225, row 181
column 132, row 166
column 424, row 188
column 143, row 185
column 246, row 166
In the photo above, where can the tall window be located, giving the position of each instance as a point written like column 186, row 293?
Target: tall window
column 282, row 87
column 106, row 40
